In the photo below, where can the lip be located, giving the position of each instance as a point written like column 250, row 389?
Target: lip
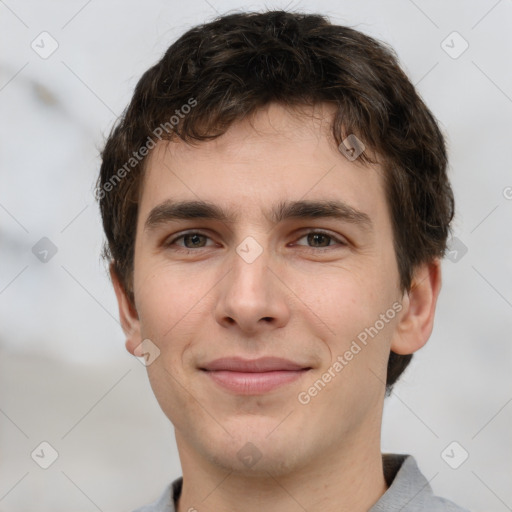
column 262, row 364
column 252, row 377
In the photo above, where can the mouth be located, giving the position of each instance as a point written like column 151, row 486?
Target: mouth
column 253, row 377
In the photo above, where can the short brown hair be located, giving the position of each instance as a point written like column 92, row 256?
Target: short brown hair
column 229, row 68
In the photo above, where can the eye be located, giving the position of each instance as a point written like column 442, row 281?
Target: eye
column 320, row 239
column 192, row 240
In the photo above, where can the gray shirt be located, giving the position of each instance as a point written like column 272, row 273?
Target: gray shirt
column 408, row 491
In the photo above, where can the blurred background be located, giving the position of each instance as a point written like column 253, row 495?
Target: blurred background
column 67, row 70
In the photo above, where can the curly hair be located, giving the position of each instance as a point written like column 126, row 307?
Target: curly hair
column 227, row 69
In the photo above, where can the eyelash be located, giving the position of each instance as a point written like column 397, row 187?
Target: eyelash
column 312, row 232
column 334, row 239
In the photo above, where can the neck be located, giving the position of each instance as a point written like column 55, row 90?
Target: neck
column 347, row 478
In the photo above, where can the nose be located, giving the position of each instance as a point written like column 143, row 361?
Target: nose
column 252, row 298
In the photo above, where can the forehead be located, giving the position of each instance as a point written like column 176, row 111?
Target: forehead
column 276, row 155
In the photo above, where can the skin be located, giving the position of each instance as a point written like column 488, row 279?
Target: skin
column 304, row 298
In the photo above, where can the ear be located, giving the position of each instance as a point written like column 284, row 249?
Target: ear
column 127, row 314
column 417, row 320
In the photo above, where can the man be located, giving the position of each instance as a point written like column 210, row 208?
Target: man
column 276, row 205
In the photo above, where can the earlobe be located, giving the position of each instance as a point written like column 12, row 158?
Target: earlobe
column 127, row 313
column 417, row 320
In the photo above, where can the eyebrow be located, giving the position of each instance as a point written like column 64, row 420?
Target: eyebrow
column 187, row 210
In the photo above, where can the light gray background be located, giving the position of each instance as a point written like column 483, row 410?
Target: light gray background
column 65, row 377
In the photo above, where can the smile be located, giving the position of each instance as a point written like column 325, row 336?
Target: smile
column 253, row 376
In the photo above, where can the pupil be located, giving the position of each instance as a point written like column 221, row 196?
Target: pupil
column 318, row 238
column 195, row 240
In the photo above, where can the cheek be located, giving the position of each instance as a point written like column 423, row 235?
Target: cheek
column 343, row 300
column 167, row 301
column 169, row 306
column 344, row 309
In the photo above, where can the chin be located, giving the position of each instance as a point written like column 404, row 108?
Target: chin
column 258, row 455
column 263, row 463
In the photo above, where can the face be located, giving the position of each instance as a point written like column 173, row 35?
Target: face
column 286, row 252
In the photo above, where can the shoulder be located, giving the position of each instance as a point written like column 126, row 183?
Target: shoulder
column 409, row 490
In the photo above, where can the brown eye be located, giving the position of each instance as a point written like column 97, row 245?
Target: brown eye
column 194, row 240
column 191, row 240
column 319, row 239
